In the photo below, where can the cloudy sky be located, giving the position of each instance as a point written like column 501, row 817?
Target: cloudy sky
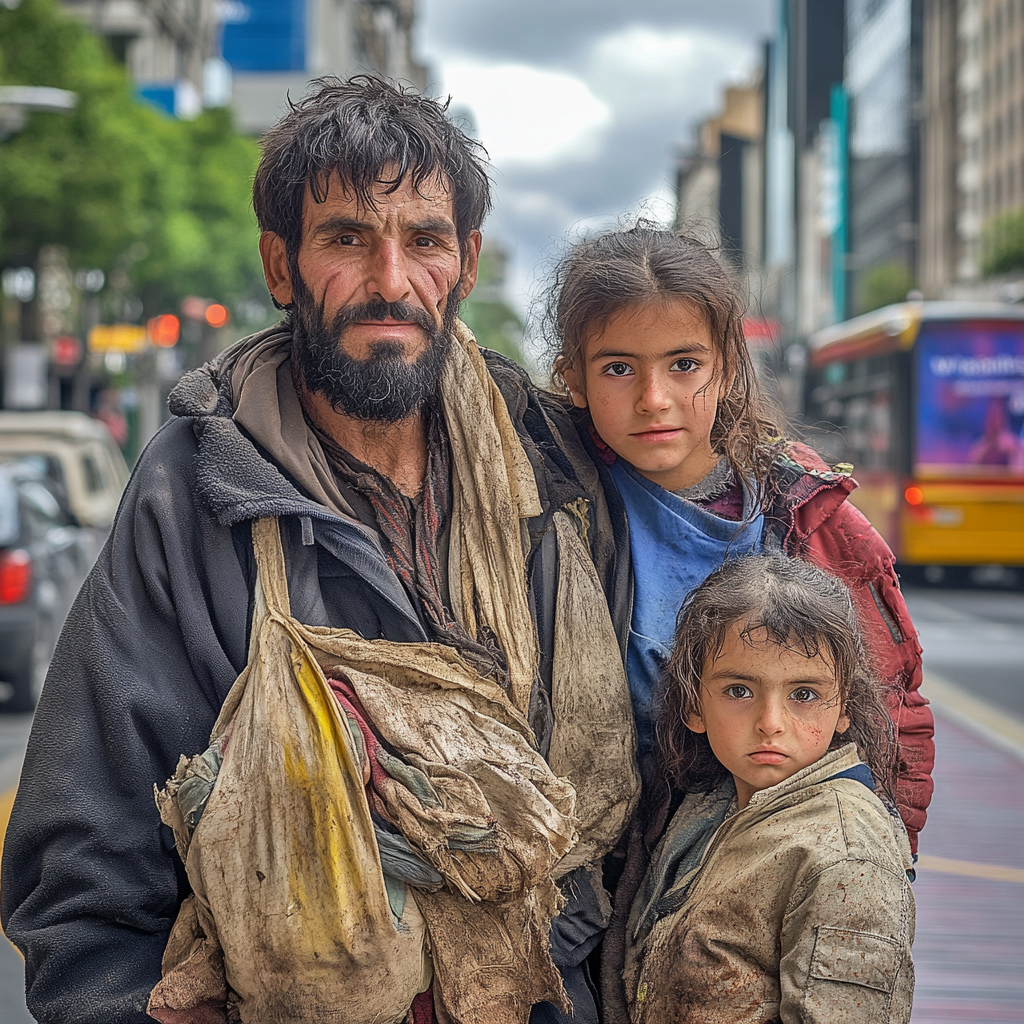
column 582, row 104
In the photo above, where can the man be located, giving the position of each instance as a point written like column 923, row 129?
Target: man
column 336, row 422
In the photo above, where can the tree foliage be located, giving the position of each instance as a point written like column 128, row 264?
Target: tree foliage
column 1003, row 244
column 121, row 186
column 883, row 285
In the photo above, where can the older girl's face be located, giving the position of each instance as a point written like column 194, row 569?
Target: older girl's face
column 652, row 381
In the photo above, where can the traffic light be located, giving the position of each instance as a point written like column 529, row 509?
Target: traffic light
column 164, row 330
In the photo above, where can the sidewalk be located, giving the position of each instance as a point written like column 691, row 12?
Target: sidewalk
column 969, row 950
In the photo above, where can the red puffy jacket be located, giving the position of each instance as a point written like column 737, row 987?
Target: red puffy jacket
column 824, row 528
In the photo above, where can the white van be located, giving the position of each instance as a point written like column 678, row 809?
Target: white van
column 83, row 457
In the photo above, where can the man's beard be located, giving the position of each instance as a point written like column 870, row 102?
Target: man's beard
column 383, row 387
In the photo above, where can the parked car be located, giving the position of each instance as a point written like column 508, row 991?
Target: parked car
column 44, row 557
column 84, row 466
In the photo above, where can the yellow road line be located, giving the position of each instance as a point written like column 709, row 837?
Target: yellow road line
column 6, row 804
column 970, row 869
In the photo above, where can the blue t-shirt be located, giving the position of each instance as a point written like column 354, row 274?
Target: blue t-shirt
column 675, row 545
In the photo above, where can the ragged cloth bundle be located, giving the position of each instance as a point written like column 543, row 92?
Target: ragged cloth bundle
column 294, row 916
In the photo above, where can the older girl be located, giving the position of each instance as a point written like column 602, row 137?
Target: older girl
column 650, row 348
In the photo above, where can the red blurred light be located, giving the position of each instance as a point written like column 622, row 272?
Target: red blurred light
column 914, row 495
column 15, row 576
column 216, row 315
column 164, row 330
column 67, row 350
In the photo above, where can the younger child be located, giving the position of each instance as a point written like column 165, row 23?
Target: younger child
column 779, row 891
column 649, row 344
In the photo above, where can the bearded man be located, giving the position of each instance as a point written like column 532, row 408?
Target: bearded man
column 349, row 424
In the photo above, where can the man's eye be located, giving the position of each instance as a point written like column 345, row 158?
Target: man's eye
column 425, row 243
column 738, row 692
column 685, row 365
column 347, row 240
column 805, row 695
column 618, row 370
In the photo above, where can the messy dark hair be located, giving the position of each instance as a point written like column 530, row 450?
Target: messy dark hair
column 603, row 275
column 778, row 600
column 362, row 129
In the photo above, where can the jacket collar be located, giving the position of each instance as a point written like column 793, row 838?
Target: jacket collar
column 233, row 476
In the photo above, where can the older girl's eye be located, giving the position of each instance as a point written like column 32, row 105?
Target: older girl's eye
column 617, row 370
column 738, row 692
column 685, row 365
column 804, row 695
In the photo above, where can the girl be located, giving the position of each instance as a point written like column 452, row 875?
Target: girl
column 650, row 348
column 779, row 891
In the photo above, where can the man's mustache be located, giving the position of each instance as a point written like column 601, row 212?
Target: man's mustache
column 378, row 309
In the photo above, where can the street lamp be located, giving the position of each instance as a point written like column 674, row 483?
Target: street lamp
column 16, row 101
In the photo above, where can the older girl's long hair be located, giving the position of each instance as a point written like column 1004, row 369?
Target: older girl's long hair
column 608, row 273
column 778, row 600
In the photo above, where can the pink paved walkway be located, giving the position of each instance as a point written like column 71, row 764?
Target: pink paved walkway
column 969, row 951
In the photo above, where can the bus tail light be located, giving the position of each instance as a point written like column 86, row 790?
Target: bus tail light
column 15, row 576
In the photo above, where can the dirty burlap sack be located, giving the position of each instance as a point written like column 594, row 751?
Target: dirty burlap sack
column 290, row 919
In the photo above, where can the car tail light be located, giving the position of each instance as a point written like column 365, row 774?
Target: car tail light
column 15, row 576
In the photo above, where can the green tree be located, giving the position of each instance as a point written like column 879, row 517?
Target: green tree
column 883, row 285
column 120, row 185
column 494, row 323
column 1003, row 244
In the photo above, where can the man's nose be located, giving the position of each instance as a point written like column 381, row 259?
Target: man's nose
column 653, row 396
column 388, row 274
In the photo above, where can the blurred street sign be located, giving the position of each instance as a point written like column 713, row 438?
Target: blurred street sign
column 117, row 338
column 25, row 383
column 67, row 350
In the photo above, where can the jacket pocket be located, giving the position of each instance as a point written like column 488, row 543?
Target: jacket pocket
column 852, row 976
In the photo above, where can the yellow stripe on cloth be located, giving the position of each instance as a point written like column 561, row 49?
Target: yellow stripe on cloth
column 970, row 869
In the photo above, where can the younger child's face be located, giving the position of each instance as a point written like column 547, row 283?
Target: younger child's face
column 768, row 711
column 650, row 381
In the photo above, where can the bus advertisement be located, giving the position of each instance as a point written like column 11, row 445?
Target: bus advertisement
column 926, row 400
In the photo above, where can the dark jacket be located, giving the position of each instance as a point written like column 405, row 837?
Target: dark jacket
column 810, row 517
column 159, row 632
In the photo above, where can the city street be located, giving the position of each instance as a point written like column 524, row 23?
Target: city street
column 970, row 884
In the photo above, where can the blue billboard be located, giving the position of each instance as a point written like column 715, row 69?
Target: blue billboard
column 265, row 35
column 970, row 411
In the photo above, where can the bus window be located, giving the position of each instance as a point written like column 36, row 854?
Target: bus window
column 970, row 415
column 851, row 412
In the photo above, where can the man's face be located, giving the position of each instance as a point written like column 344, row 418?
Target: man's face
column 375, row 292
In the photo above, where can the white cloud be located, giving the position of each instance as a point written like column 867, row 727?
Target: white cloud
column 651, row 73
column 526, row 115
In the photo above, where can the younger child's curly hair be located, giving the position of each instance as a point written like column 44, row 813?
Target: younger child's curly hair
column 773, row 599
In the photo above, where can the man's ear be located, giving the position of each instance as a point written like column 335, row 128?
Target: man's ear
column 470, row 264
column 275, row 267
column 695, row 723
column 574, row 383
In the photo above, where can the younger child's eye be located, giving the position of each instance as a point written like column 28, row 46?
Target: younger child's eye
column 685, row 365
column 805, row 695
column 618, row 370
column 738, row 692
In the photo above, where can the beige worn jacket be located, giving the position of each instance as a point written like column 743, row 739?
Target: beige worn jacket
column 800, row 913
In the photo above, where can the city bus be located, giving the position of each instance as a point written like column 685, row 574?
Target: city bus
column 926, row 401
